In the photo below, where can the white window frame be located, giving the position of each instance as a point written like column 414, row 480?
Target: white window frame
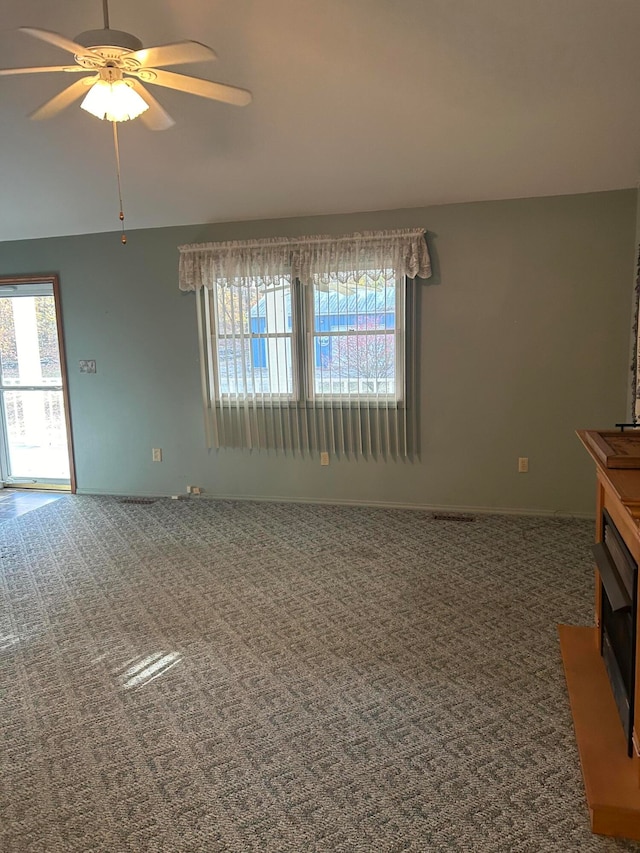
column 400, row 355
column 214, row 360
column 302, row 350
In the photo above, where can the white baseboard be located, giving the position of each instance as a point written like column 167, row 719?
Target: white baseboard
column 443, row 508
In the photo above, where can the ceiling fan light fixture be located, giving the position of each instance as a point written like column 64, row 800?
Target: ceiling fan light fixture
column 114, row 101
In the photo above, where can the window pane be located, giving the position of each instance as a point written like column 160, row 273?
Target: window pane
column 354, row 346
column 29, row 341
column 36, row 436
column 255, row 366
column 8, row 350
column 233, row 305
column 355, row 364
column 253, row 305
column 366, row 301
column 45, row 311
column 254, row 337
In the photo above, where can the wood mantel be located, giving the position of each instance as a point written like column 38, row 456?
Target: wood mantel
column 612, row 779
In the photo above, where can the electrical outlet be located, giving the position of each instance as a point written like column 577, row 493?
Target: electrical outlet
column 324, row 458
column 194, row 490
column 156, row 454
column 523, row 464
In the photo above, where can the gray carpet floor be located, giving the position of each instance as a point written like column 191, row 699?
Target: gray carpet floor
column 191, row 676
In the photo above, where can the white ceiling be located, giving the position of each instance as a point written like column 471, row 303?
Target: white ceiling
column 358, row 105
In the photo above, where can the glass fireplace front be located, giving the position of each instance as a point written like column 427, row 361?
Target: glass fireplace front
column 619, row 601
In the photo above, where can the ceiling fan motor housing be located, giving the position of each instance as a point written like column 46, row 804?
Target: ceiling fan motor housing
column 109, row 38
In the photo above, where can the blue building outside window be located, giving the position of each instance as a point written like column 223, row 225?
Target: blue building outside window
column 334, row 311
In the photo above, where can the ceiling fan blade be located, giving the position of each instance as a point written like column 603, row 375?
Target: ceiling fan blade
column 40, row 69
column 173, row 54
column 56, row 39
column 64, row 99
column 196, row 86
column 156, row 117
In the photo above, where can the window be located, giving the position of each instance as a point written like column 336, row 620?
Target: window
column 304, row 343
column 354, row 349
column 356, row 346
column 253, row 333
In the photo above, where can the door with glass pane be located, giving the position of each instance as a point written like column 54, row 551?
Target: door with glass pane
column 34, row 446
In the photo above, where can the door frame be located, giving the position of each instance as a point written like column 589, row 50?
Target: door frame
column 53, row 280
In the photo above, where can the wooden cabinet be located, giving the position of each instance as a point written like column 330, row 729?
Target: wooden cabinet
column 612, row 779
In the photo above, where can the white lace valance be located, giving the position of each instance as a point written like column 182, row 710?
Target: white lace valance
column 405, row 250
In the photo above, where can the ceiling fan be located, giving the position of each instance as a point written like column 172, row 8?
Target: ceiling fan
column 115, row 65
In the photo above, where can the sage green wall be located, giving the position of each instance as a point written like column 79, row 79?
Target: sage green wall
column 525, row 337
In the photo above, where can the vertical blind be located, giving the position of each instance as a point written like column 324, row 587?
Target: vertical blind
column 309, row 344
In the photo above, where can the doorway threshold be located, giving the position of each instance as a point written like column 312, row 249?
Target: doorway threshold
column 40, row 487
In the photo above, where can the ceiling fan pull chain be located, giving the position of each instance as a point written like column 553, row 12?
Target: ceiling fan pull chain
column 105, row 10
column 123, row 238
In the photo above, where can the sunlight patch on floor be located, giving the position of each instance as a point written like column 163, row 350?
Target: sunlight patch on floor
column 146, row 669
column 9, row 641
